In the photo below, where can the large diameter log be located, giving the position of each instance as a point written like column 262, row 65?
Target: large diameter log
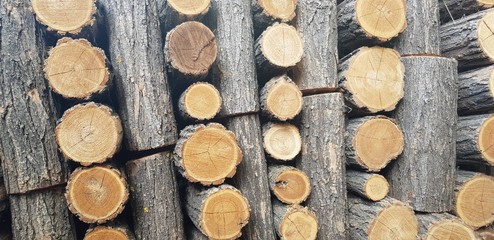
column 371, row 186
column 452, row 10
column 468, row 40
column 475, row 91
column 281, row 98
column 288, row 184
column 252, row 176
column 444, row 226
column 427, row 107
column 294, row 222
column 136, row 53
column 323, row 160
column 110, row 231
column 372, row 142
column 67, row 17
column 267, row 12
column 200, row 101
column 474, row 139
column 385, row 219
column 174, row 12
column 28, row 150
column 281, row 141
column 154, row 197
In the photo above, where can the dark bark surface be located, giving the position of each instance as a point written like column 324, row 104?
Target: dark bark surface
column 453, row 10
column 468, row 132
column 474, row 91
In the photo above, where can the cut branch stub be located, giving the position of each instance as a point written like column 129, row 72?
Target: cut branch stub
column 294, row 222
column 281, row 141
column 207, row 153
column 281, row 98
column 107, row 232
column 96, row 194
column 69, row 16
column 201, row 101
column 76, row 69
column 289, row 185
column 89, row 133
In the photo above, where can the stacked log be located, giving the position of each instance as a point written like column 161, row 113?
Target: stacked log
column 281, row 141
column 174, row 12
column 200, row 101
column 267, row 12
column 475, row 91
column 474, row 139
column 370, row 186
column 451, row 10
column 111, row 231
column 288, row 184
column 294, row 222
column 281, row 99
column 443, row 226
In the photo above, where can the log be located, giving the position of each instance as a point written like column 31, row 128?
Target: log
column 175, row 12
column 371, row 90
column 281, row 99
column 28, row 150
column 195, row 234
column 435, row 226
column 252, row 176
column 97, row 194
column 323, row 160
column 474, row 139
column 200, row 101
column 468, row 40
column 370, row 186
column 267, row 12
column 385, row 219
column 281, row 141
column 451, row 10
column 294, row 222
column 474, row 91
column 190, row 51
column 67, row 17
column 154, row 196
column 288, row 184
column 219, row 212
column 473, row 201
column 207, row 154
column 139, row 67
column 428, row 106
column 89, row 133
column 361, row 23
column 372, row 142
column 486, row 234
column 110, row 231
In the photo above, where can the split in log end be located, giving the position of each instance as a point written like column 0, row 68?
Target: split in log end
column 105, row 232
column 450, row 230
column 394, row 222
column 486, row 141
column 281, row 98
column 67, row 17
column 283, row 10
column 292, row 186
column 200, row 101
column 485, row 34
column 376, row 187
column 298, row 223
column 382, row 19
column 190, row 8
column 282, row 141
column 281, row 46
column 474, row 201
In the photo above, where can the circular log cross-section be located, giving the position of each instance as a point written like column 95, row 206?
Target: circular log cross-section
column 474, row 201
column 67, row 16
column 105, row 232
column 189, row 8
column 76, row 69
column 289, row 185
column 368, row 185
column 475, row 138
column 295, row 222
column 89, row 133
column 281, row 98
column 486, row 140
column 96, row 194
column 383, row 19
column 450, row 230
column 282, row 141
column 200, row 101
column 283, row 10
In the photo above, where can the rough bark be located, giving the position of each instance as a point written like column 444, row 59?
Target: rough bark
column 452, row 10
column 468, row 149
column 358, row 183
column 440, row 225
column 475, row 93
column 323, row 160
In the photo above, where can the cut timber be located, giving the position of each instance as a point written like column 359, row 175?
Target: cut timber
column 174, row 12
column 429, row 106
column 469, row 40
column 475, row 139
column 369, row 89
column 109, row 232
column 156, row 215
column 281, row 98
column 369, row 22
column 190, row 50
column 474, row 198
column 267, row 12
column 281, row 141
column 219, row 212
column 76, row 69
column 294, row 222
column 372, row 142
column 200, row 101
column 322, row 124
column 443, row 226
column 486, row 234
column 96, row 194
column 207, row 153
column 476, row 91
column 289, row 185
column 69, row 16
column 142, row 90
column 385, row 219
column 89, row 133
column 371, row 186
column 452, row 10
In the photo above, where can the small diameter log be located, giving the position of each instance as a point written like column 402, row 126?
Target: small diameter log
column 219, row 212
column 385, row 219
column 452, row 10
column 288, row 184
column 267, row 12
column 281, row 98
column 281, row 141
column 469, row 40
column 372, row 79
column 476, row 91
column 370, row 22
column 473, row 202
column 96, row 194
column 174, row 12
column 106, row 232
column 427, row 107
column 68, row 17
column 89, row 133
column 372, row 142
column 444, row 226
column 371, row 186
column 294, row 222
column 475, row 139
column 200, row 101
column 156, row 215
column 207, row 153
column 190, row 50
column 322, row 158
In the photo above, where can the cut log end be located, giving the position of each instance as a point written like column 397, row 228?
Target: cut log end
column 282, row 141
column 485, row 34
column 96, row 194
column 450, row 230
column 281, row 98
column 486, row 3
column 394, row 222
column 376, row 187
column 67, row 17
column 474, row 203
column 76, row 69
column 190, row 8
column 292, row 186
column 383, row 19
column 89, row 133
column 200, row 101
column 283, row 11
column 486, row 140
column 281, row 45
column 105, row 232
column 298, row 223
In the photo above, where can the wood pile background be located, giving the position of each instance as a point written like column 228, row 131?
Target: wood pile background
column 262, row 119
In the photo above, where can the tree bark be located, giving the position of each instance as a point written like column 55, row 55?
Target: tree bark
column 371, row 186
column 475, row 94
column 442, row 226
column 470, row 131
column 452, row 10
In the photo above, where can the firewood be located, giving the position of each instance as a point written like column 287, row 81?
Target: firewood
column 111, row 231
column 200, row 101
column 475, row 91
column 89, row 133
column 281, row 141
column 195, row 234
column 452, row 10
column 474, row 139
column 281, row 98
column 371, row 186
column 372, row 142
column 294, row 222
column 487, row 233
column 372, row 79
column 267, row 12
column 207, row 153
column 174, row 12
column 444, row 226
column 67, row 17
column 96, row 194
column 288, row 184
